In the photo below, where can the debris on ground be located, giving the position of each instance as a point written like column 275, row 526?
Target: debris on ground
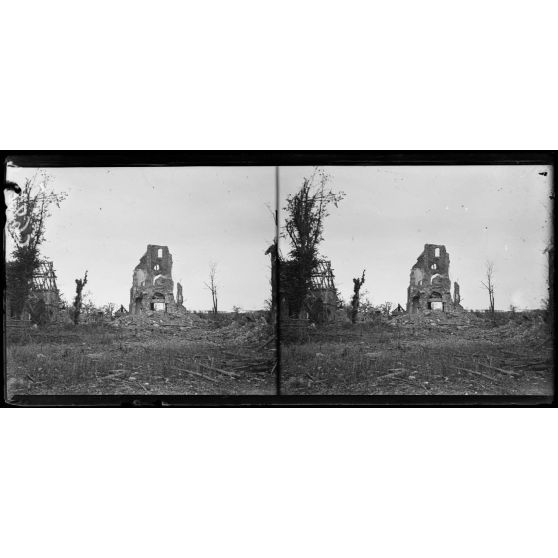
column 153, row 352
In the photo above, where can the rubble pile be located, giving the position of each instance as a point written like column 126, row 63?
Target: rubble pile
column 525, row 328
column 250, row 332
column 434, row 318
column 156, row 319
column 519, row 328
column 195, row 327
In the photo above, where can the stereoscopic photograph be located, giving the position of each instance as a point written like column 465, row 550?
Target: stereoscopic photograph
column 416, row 280
column 282, row 281
column 148, row 281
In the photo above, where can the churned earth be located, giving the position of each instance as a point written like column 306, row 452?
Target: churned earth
column 429, row 354
column 153, row 354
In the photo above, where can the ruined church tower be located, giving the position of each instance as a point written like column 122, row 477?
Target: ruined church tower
column 152, row 284
column 430, row 285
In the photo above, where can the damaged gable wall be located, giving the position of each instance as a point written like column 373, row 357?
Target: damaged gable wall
column 430, row 285
column 152, row 284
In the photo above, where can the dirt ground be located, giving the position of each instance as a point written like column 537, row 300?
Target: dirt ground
column 431, row 354
column 153, row 354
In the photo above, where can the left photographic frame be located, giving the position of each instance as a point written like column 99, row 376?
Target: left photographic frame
column 141, row 281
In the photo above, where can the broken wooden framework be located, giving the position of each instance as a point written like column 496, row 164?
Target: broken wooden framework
column 44, row 297
column 320, row 304
column 322, row 299
column 44, row 278
column 43, row 300
column 322, row 277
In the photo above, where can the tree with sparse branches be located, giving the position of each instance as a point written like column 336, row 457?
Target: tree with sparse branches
column 108, row 309
column 212, row 285
column 489, row 286
column 304, row 226
column 26, row 220
column 80, row 283
column 357, row 284
column 386, row 308
column 273, row 252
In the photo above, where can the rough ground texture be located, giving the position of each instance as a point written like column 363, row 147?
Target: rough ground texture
column 424, row 354
column 146, row 354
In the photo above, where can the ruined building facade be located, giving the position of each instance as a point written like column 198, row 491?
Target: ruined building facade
column 430, row 285
column 43, row 301
column 152, row 284
column 321, row 301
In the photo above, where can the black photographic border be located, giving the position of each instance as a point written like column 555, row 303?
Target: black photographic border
column 71, row 158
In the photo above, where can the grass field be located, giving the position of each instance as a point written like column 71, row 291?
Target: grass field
column 429, row 357
column 143, row 359
column 434, row 355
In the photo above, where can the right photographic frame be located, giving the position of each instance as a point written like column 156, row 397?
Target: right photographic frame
column 416, row 280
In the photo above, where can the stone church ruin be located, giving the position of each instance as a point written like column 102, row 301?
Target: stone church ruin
column 430, row 285
column 152, row 284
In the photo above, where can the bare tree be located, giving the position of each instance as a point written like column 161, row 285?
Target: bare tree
column 80, row 283
column 212, row 285
column 273, row 252
column 489, row 285
column 357, row 284
column 304, row 226
column 386, row 308
column 108, row 309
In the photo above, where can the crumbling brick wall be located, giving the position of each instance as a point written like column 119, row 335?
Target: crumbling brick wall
column 430, row 285
column 152, row 284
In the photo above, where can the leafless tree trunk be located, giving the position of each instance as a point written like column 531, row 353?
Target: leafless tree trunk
column 387, row 308
column 273, row 252
column 80, row 283
column 212, row 286
column 357, row 284
column 108, row 309
column 489, row 286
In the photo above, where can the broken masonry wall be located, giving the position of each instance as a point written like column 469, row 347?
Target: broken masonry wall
column 152, row 284
column 430, row 285
column 179, row 295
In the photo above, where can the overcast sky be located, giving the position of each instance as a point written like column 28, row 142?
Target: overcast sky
column 480, row 213
column 201, row 214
